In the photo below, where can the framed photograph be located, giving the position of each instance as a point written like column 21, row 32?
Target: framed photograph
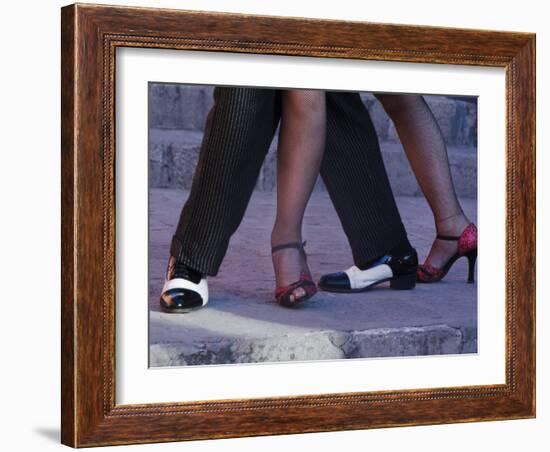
column 283, row 225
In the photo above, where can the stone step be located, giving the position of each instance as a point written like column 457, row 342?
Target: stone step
column 184, row 107
column 316, row 345
column 456, row 117
column 179, row 107
column 174, row 154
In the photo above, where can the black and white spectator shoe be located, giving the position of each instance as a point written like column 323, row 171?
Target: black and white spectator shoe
column 184, row 290
column 400, row 271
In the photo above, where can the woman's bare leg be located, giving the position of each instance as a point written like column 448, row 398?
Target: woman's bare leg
column 426, row 150
column 299, row 155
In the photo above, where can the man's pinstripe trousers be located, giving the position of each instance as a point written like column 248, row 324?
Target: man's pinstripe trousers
column 237, row 136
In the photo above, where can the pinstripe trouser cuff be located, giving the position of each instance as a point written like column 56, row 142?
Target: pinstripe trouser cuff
column 202, row 260
column 365, row 249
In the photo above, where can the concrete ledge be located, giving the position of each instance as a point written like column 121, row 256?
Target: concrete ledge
column 318, row 345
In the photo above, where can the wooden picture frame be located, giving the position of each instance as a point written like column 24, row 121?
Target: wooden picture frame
column 90, row 36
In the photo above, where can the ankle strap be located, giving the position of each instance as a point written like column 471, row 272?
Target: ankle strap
column 446, row 237
column 288, row 245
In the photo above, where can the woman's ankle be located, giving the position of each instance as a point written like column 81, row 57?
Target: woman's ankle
column 280, row 236
column 452, row 225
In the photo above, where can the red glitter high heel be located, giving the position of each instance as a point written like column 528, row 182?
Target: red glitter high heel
column 286, row 295
column 467, row 247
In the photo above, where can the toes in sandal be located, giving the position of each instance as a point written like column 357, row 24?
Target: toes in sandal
column 299, row 291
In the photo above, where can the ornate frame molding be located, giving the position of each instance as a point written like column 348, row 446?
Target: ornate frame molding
column 90, row 36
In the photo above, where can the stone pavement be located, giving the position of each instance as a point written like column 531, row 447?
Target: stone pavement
column 242, row 323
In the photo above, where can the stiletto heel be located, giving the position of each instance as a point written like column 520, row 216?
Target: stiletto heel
column 285, row 295
column 467, row 247
column 472, row 256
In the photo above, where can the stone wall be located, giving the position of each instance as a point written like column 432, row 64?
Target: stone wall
column 178, row 115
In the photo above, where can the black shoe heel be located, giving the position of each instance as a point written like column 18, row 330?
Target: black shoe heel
column 472, row 256
column 404, row 282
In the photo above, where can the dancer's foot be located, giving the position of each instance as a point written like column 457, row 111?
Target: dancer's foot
column 466, row 246
column 397, row 268
column 184, row 289
column 442, row 250
column 292, row 276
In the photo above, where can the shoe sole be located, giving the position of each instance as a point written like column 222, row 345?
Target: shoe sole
column 180, row 310
column 297, row 303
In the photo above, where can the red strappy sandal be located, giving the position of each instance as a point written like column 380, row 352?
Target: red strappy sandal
column 467, row 247
column 285, row 295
